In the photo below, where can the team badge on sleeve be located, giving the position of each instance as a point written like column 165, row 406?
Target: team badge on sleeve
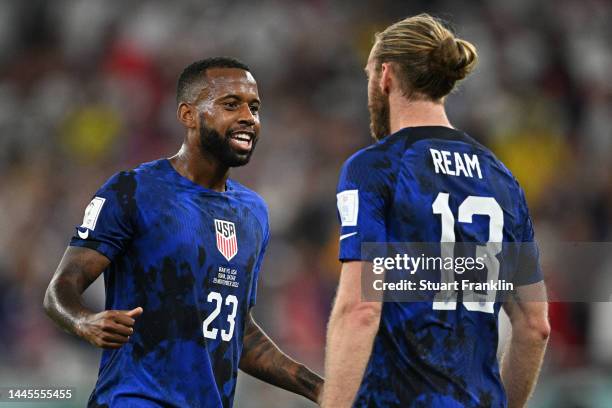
column 90, row 219
column 348, row 207
column 227, row 243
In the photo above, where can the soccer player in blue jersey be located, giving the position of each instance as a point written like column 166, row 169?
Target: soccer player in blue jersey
column 425, row 182
column 180, row 245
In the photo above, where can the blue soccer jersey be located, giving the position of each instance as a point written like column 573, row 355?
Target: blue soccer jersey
column 427, row 185
column 190, row 257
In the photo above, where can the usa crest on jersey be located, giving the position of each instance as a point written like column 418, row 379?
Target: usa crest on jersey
column 227, row 244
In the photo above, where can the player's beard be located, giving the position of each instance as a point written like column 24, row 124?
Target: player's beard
column 219, row 147
column 379, row 114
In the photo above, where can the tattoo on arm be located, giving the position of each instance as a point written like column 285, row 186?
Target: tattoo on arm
column 262, row 359
column 77, row 270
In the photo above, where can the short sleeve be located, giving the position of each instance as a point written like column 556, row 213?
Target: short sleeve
column 260, row 258
column 529, row 270
column 361, row 203
column 108, row 224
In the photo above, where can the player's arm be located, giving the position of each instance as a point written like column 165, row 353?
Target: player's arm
column 77, row 270
column 530, row 331
column 350, row 335
column 262, row 359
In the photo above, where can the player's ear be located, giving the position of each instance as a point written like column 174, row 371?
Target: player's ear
column 185, row 113
column 386, row 77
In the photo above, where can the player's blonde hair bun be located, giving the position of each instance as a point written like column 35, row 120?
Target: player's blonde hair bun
column 454, row 58
column 429, row 57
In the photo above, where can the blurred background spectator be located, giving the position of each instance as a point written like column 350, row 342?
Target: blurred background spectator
column 87, row 88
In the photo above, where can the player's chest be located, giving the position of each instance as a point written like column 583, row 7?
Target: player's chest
column 215, row 232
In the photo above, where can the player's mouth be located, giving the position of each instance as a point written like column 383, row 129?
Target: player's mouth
column 242, row 140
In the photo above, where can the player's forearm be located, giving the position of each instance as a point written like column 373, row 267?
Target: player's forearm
column 521, row 364
column 262, row 359
column 350, row 336
column 63, row 304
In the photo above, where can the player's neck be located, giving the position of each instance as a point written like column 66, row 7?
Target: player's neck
column 410, row 113
column 191, row 163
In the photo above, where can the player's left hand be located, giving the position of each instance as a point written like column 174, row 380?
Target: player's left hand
column 109, row 329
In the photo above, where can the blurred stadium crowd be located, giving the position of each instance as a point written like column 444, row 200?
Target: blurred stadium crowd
column 87, row 89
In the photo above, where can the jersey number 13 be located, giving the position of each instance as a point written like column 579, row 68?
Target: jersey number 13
column 472, row 205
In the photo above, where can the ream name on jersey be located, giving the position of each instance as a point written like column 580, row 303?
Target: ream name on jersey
column 454, row 164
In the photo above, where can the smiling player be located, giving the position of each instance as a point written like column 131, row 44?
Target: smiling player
column 180, row 245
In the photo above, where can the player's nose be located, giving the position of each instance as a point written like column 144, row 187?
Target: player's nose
column 246, row 118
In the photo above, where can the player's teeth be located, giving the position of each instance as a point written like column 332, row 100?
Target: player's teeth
column 242, row 136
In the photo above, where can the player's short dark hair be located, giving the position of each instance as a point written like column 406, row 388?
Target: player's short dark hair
column 196, row 71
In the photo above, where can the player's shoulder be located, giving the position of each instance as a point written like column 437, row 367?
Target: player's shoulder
column 376, row 155
column 249, row 198
column 500, row 176
column 499, row 171
column 129, row 178
column 155, row 168
column 374, row 164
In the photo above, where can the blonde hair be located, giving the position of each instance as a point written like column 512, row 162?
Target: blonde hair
column 429, row 58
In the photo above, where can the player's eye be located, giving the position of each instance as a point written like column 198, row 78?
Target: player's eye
column 231, row 105
column 254, row 109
